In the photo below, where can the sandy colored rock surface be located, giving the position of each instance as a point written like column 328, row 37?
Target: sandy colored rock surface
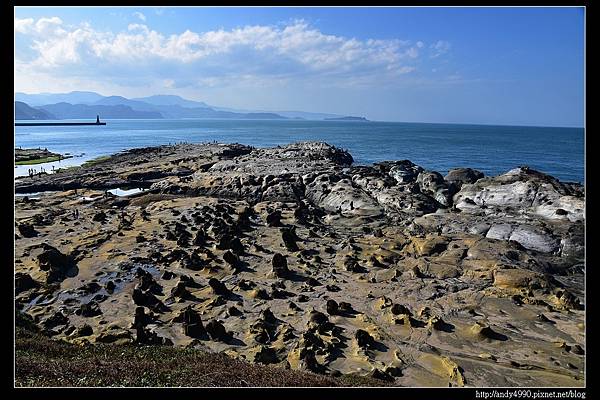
column 294, row 257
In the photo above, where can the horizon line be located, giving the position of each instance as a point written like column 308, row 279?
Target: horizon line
column 311, row 112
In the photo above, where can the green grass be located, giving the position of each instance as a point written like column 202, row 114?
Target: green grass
column 41, row 361
column 65, row 169
column 38, row 160
column 95, row 161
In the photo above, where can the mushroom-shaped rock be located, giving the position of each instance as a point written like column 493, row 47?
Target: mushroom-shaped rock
column 180, row 291
column 90, row 309
column 56, row 264
column 24, row 282
column 288, row 235
column 56, row 319
column 218, row 287
column 147, row 299
column 280, row 266
column 332, row 307
column 84, row 330
column 437, row 324
column 217, row 331
column 483, row 330
column 274, row 218
column 259, row 293
column 317, row 318
column 27, row 230
column 363, row 339
column 231, row 258
column 264, row 355
column 399, row 309
column 141, row 318
column 345, row 307
column 192, row 323
column 99, row 217
column 308, row 361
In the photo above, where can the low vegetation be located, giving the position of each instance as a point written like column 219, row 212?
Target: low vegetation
column 95, row 161
column 43, row 362
column 36, row 156
column 39, row 160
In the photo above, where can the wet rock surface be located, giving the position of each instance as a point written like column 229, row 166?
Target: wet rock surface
column 295, row 257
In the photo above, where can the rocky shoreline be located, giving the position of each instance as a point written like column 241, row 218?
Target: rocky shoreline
column 293, row 256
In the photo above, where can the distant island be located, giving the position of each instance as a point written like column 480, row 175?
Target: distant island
column 347, row 119
column 84, row 105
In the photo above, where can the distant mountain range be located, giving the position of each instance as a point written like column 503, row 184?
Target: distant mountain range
column 78, row 111
column 85, row 105
column 23, row 111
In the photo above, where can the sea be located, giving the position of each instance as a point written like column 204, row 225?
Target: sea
column 490, row 149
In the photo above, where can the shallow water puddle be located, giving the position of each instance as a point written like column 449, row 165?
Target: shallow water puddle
column 126, row 192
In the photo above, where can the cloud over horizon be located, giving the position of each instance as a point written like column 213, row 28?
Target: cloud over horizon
column 264, row 53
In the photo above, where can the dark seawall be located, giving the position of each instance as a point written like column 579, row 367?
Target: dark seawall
column 57, row 123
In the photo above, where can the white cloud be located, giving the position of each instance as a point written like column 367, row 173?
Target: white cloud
column 438, row 48
column 278, row 53
column 140, row 27
column 139, row 15
column 23, row 25
column 47, row 25
column 43, row 26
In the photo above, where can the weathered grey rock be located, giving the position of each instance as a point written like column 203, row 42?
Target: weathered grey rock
column 432, row 183
column 499, row 231
column 398, row 201
column 403, row 171
column 534, row 239
column 336, row 194
column 459, row 176
column 527, row 236
column 525, row 190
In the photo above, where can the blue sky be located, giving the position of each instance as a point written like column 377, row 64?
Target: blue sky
column 512, row 66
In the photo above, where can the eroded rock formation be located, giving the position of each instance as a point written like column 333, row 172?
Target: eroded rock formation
column 293, row 256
